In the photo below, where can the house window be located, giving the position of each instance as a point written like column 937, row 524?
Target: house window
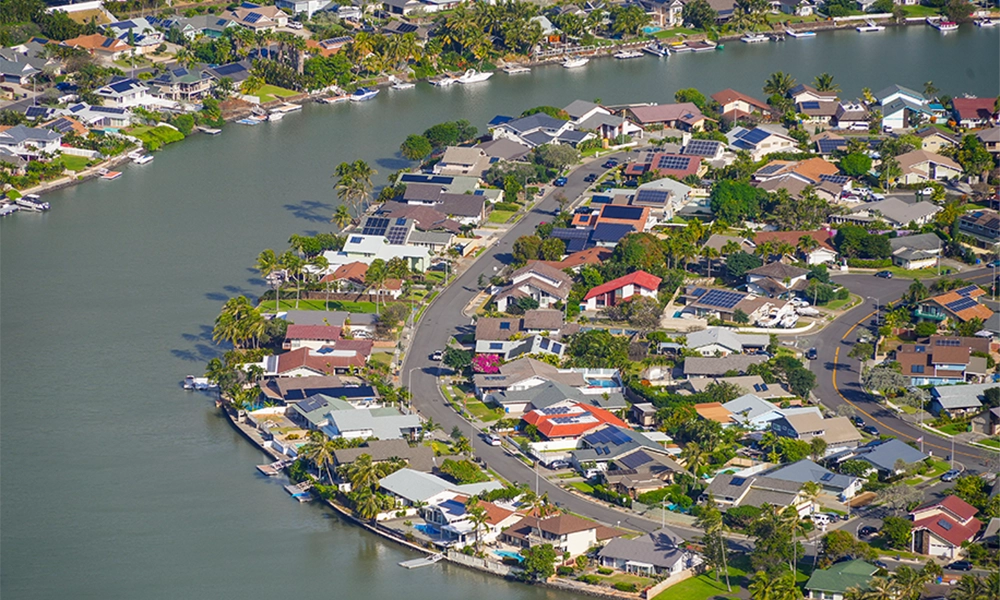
column 917, row 369
column 496, row 346
column 557, row 348
column 505, row 325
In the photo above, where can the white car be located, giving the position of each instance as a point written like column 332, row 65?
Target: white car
column 494, row 440
column 294, row 25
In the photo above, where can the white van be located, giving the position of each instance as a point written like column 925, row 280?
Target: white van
column 820, row 518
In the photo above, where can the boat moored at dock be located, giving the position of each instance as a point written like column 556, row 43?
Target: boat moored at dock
column 800, row 34
column 141, row 159
column 107, row 175
column 573, row 63
column 363, row 94
column 8, row 209
column 985, row 22
column 200, row 384
column 657, row 50
column 442, row 81
column 870, row 27
column 942, row 25
column 516, row 70
column 627, row 54
column 474, row 76
column 755, row 38
column 33, row 203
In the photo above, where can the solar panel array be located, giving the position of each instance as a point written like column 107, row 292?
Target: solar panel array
column 967, row 290
column 673, row 163
column 721, row 298
column 702, row 147
column 570, row 234
column 601, row 200
column 356, row 240
column 608, row 435
column 253, row 17
column 375, row 226
column 36, row 111
column 658, row 197
column 555, row 410
column 947, row 342
column 422, row 178
column 831, row 146
column 565, row 420
column 838, row 179
column 760, row 387
column 755, row 136
column 699, row 292
column 810, row 105
column 611, row 232
column 769, row 169
column 406, row 28
column 635, row 460
column 614, row 211
column 959, row 305
column 397, row 235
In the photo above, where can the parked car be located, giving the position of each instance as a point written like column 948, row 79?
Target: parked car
column 560, row 182
column 884, row 274
column 951, row 475
column 611, row 163
column 870, row 430
column 858, row 421
column 867, row 530
column 559, row 464
column 294, row 25
column 811, row 354
column 591, row 178
column 631, row 183
column 494, row 440
column 960, row 565
column 437, row 355
column 881, row 564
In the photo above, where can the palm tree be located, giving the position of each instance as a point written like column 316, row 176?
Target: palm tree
column 779, row 83
column 268, row 265
column 708, row 253
column 767, row 587
column 791, row 521
column 909, row 582
column 710, row 521
column 375, row 276
column 478, row 517
column 462, row 445
column 238, row 323
column 731, row 247
column 293, row 265
column 807, row 244
column 824, row 83
column 366, row 504
column 970, row 587
column 694, row 456
column 342, row 217
column 363, row 473
column 320, row 453
column 251, row 84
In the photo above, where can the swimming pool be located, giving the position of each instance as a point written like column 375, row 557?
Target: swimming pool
column 426, row 529
column 604, row 383
column 509, row 554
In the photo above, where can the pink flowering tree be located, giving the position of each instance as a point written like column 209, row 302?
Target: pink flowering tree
column 486, row 363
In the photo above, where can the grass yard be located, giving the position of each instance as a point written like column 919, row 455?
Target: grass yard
column 73, row 163
column 920, row 11
column 839, row 304
column 640, row 582
column 501, row 216
column 270, row 93
column 583, row 486
column 991, row 442
column 354, row 307
column 669, row 33
column 783, row 18
column 703, row 587
column 483, row 412
column 953, row 428
column 434, row 277
column 937, row 468
column 382, row 357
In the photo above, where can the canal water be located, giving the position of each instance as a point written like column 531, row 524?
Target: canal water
column 118, row 484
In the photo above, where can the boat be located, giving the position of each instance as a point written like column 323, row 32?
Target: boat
column 573, row 63
column 8, row 209
column 516, row 70
column 627, row 54
column 474, row 76
column 363, row 94
column 141, row 159
column 870, row 27
column 657, row 50
column 300, row 491
column 32, row 202
column 754, row 38
column 334, row 99
column 985, row 22
column 200, row 384
column 681, row 47
column 249, row 121
column 276, row 116
column 702, row 46
column 942, row 25
column 107, row 175
column 443, row 81
column 800, row 34
column 403, row 85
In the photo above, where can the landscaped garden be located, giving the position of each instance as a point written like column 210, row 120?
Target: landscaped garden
column 270, row 93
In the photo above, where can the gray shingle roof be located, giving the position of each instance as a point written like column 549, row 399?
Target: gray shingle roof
column 661, row 548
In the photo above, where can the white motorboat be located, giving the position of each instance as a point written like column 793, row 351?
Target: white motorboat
column 516, row 70
column 276, row 116
column 985, row 22
column 142, row 159
column 942, row 25
column 8, row 209
column 657, row 50
column 199, row 383
column 363, row 94
column 403, row 85
column 869, row 28
column 474, row 76
column 32, row 202
column 627, row 54
column 443, row 81
column 755, row 38
column 334, row 99
column 800, row 34
column 573, row 63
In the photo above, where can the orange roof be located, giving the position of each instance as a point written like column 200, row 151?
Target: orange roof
column 495, row 514
column 97, row 42
column 973, row 312
column 714, row 411
column 823, row 236
column 570, row 419
column 730, row 95
column 354, row 271
column 810, row 169
column 316, row 48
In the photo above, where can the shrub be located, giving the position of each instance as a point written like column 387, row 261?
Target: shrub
column 740, row 517
column 590, row 579
column 869, row 263
column 506, row 206
column 622, row 586
column 463, row 471
column 612, row 496
column 564, row 571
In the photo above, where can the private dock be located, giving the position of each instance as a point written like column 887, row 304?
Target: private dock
column 421, row 562
column 209, row 130
column 300, row 491
column 274, row 469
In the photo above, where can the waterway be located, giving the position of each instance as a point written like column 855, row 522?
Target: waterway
column 116, row 483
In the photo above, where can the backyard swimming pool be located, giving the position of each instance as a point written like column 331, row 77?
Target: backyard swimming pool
column 426, row 529
column 604, row 383
column 509, row 554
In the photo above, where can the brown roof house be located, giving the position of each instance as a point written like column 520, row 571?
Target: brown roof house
column 684, row 116
column 566, row 533
column 776, row 279
column 735, row 105
column 537, row 280
column 838, row 432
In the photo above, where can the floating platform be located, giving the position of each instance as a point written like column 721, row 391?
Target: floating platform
column 426, row 561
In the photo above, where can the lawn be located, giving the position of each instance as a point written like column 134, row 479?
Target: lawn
column 501, row 216
column 640, row 582
column 669, row 33
column 703, row 587
column 991, row 442
column 483, row 412
column 937, row 468
column 434, row 277
column 838, row 304
column 912, row 274
column 270, row 93
column 583, row 486
column 354, row 307
column 953, row 428
column 71, row 162
column 382, row 357
column 920, row 11
column 783, row 18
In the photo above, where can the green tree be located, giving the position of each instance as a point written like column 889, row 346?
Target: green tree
column 824, row 83
column 415, row 147
column 896, row 532
column 739, row 263
column 801, row 382
column 699, row 14
column 342, row 216
column 457, row 359
column 736, row 201
column 855, row 164
column 779, row 83
column 552, row 249
column 526, row 247
column 320, row 453
column 973, row 156
column 768, row 586
column 713, row 540
column 539, row 562
column 598, row 348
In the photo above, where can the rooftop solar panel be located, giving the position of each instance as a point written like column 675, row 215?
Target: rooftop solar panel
column 406, row 28
column 611, row 232
column 838, row 179
column 959, row 305
column 635, row 460
column 947, row 342
column 570, row 234
column 702, row 147
column 769, row 169
column 699, row 292
column 614, row 211
column 356, row 240
column 253, row 17
column 601, row 200
column 397, row 235
column 375, row 226
column 812, row 105
column 673, row 163
column 658, row 197
column 830, row 146
column 755, row 136
column 966, row 290
column 721, row 298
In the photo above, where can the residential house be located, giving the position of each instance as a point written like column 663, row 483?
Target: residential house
column 661, row 553
column 413, row 488
column 125, row 93
column 935, row 140
column 903, row 113
column 724, row 304
column 236, row 72
column 851, row 115
column 289, row 390
column 589, row 116
column 327, row 47
column 181, row 84
column 537, row 281
column 750, row 384
column 19, row 71
column 884, row 457
column 982, row 225
column 893, row 211
column 838, row 432
column 140, row 33
column 919, row 166
column 427, row 218
column 896, row 92
column 736, row 106
column 641, row 472
column 538, row 332
column 943, row 361
column 258, row 18
column 401, row 27
column 403, row 7
column 973, row 112
column 761, row 141
column 98, row 116
column 665, row 14
column 349, row 277
column 961, row 305
column 338, row 418
column 463, row 161
column 549, row 393
column 918, row 251
column 987, row 422
column 722, row 341
column 776, row 279
column 731, row 490
column 834, row 583
column 565, row 532
column 636, row 217
column 308, row 7
column 576, row 260
column 719, row 367
column 311, row 336
column 991, row 139
column 752, row 411
column 806, row 93
column 616, row 291
column 712, row 151
column 353, row 322
column 664, row 164
column 452, row 518
column 684, row 116
column 810, row 171
column 842, row 487
column 816, row 112
column 612, row 444
column 101, row 46
column 328, row 360
column 714, row 411
column 540, row 129
column 368, row 248
column 718, row 241
column 523, row 374
column 417, row 458
column 29, row 143
column 569, row 420
column 504, row 149
column 465, row 208
column 941, row 526
column 210, row 26
column 12, row 162
column 822, row 253
column 958, row 401
column 643, row 414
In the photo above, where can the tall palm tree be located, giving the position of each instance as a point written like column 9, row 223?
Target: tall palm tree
column 710, row 521
column 363, row 473
column 824, row 83
column 478, row 517
column 342, row 217
column 792, row 523
column 366, row 504
column 779, row 83
column 806, row 244
column 708, row 253
column 320, row 453
column 695, row 456
column 293, row 265
column 268, row 265
column 909, row 582
column 765, row 586
column 970, row 587
column 731, row 247
column 375, row 276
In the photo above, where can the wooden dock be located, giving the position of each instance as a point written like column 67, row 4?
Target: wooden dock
column 300, row 491
column 274, row 469
column 425, row 561
column 209, row 130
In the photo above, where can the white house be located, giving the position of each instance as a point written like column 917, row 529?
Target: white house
column 309, row 7
column 616, row 291
column 451, row 516
column 919, row 166
column 546, row 285
column 722, row 341
column 29, row 142
column 540, row 129
column 414, row 488
column 660, row 553
column 760, row 141
column 566, row 533
column 756, row 413
column 776, row 279
column 125, row 93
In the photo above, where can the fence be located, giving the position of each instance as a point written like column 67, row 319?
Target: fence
column 653, row 591
column 478, row 563
column 91, row 154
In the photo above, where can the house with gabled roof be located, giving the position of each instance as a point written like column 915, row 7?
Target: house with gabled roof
column 329, row 359
column 735, row 105
column 884, row 456
column 918, row 166
column 685, row 116
column 731, row 490
column 974, row 112
column 125, row 93
column 236, row 72
column 526, row 373
column 837, row 432
column 540, row 129
column 211, row 26
column 661, row 553
column 258, row 18
column 181, row 84
column 942, row 361
column 569, row 420
column 958, row 401
column 941, row 526
column 616, row 291
column 982, row 225
column 99, row 45
column 721, row 341
column 824, row 252
column 29, row 142
column 537, row 332
column 289, row 390
column 807, row 93
column 696, row 366
column 548, row 393
column 843, row 487
column 961, row 305
column 538, row 281
column 902, row 113
column 776, row 279
column 565, row 532
column 895, row 92
column 918, row 251
column 600, row 448
column 834, row 583
column 458, row 160
column 311, row 336
column 935, row 139
column 761, row 141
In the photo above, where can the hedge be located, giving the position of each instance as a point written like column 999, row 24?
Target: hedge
column 869, row 263
column 612, row 496
column 507, row 206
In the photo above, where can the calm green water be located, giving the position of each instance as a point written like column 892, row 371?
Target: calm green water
column 116, row 483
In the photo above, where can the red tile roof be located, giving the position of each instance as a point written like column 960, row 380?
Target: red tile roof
column 354, row 271
column 973, row 109
column 575, row 422
column 978, row 311
column 953, row 504
column 313, row 332
column 949, row 529
column 640, row 278
column 823, row 236
column 730, row 95
column 327, row 363
column 591, row 256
